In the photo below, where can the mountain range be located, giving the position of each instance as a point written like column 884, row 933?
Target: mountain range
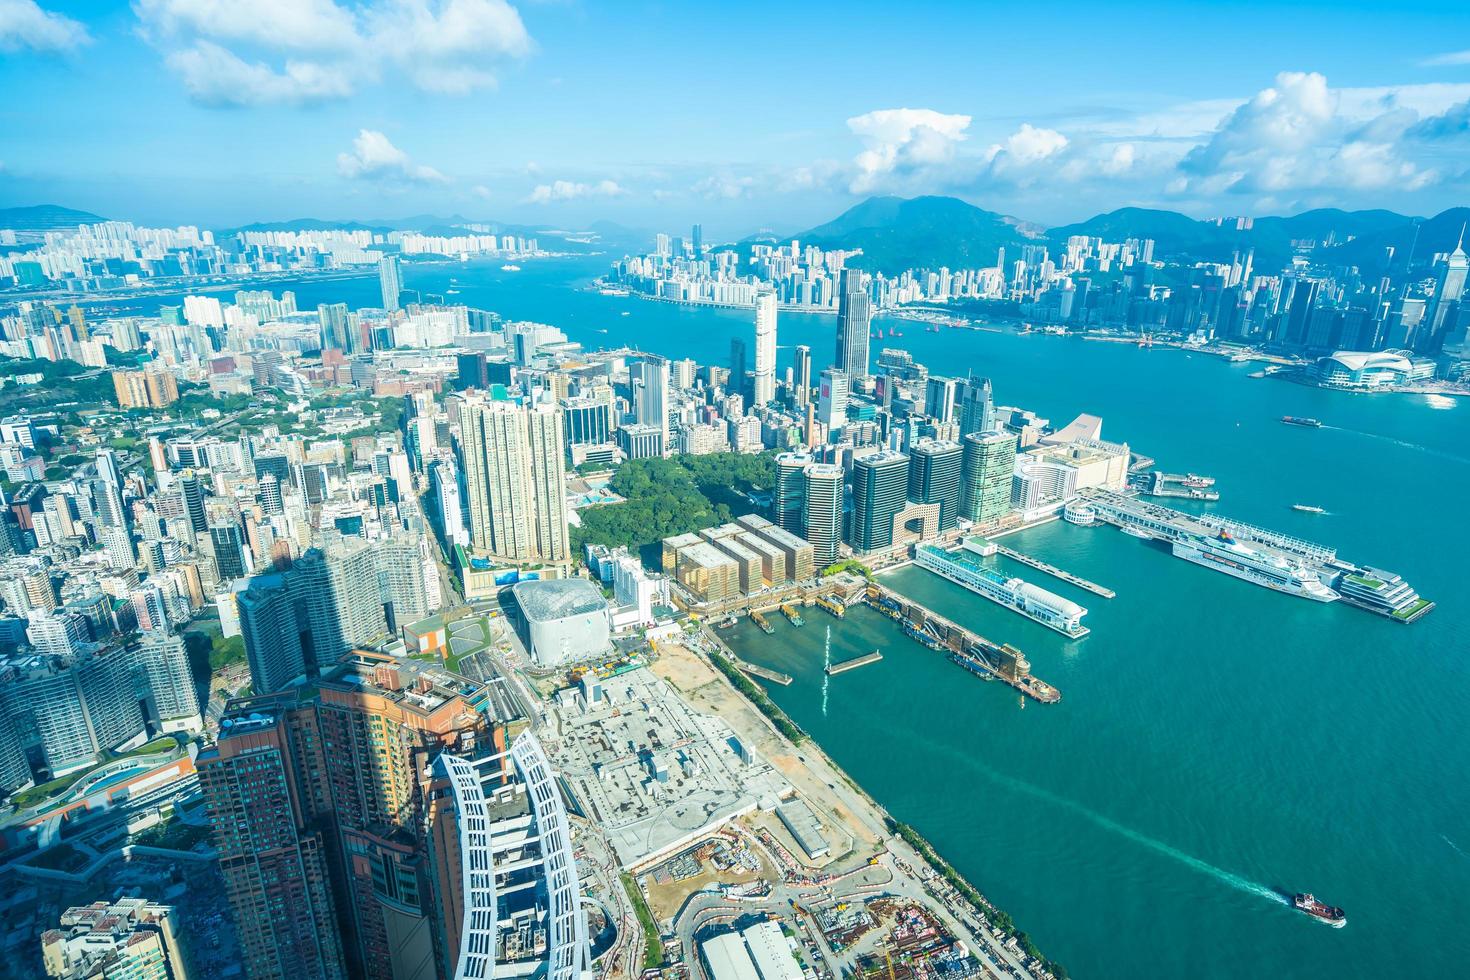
column 896, row 234
column 45, row 217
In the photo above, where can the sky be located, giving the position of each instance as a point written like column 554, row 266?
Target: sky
column 744, row 116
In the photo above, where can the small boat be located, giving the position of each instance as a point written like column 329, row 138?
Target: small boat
column 1330, row 914
column 510, row 268
column 624, row 313
column 1299, row 420
column 451, row 292
column 1137, row 532
column 1308, row 508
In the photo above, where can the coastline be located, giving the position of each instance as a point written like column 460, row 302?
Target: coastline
column 895, row 832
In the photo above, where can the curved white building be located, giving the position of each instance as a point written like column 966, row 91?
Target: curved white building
column 1370, row 370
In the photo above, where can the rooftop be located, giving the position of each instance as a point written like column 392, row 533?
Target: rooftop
column 548, row 599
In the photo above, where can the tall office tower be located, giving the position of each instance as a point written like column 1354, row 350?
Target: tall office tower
column 934, row 478
column 790, row 497
column 130, row 939
column 1303, row 300
column 989, row 462
column 763, row 386
column 271, row 630
column 336, row 328
column 977, row 410
column 696, row 236
column 649, row 379
column 823, row 510
column 173, row 701
column 193, row 495
column 939, row 398
column 265, row 789
column 390, row 278
column 854, row 318
column 1448, row 296
column 336, row 587
column 801, row 382
column 229, row 550
column 514, row 464
column 832, row 401
column 880, row 483
column 735, row 383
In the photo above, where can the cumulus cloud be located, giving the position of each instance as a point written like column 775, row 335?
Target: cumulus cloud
column 568, row 190
column 374, row 156
column 901, row 143
column 24, row 24
column 215, row 76
column 481, row 191
column 1298, row 135
column 293, row 46
column 724, row 187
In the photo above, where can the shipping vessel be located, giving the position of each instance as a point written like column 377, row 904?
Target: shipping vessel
column 1308, row 508
column 1299, row 420
column 1031, row 601
column 1330, row 914
column 1274, row 570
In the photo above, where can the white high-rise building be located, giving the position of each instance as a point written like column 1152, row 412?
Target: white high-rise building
column 763, row 385
column 832, row 400
column 650, row 381
column 166, row 662
column 390, row 278
column 515, row 477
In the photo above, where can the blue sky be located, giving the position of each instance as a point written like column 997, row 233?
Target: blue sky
column 749, row 115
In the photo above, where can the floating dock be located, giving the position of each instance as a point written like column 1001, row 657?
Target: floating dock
column 854, row 663
column 970, row 650
column 1056, row 572
column 1187, row 486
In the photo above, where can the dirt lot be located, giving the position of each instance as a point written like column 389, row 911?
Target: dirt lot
column 806, row 767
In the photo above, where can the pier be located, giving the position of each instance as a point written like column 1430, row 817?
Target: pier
column 753, row 670
column 854, row 663
column 1056, row 572
column 972, row 651
column 1035, row 603
column 1166, row 524
column 1185, row 486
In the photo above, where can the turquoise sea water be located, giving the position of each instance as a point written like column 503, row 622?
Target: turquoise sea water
column 1216, row 741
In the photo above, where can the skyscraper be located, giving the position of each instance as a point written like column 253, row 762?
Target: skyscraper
column 939, row 398
column 823, row 509
column 265, row 790
column 390, row 278
column 802, row 376
column 934, row 478
column 1448, row 296
column 854, row 317
column 514, row 464
column 790, row 497
column 336, row 334
column 763, row 386
column 977, row 411
column 272, row 634
column 736, row 382
column 989, row 460
column 649, row 379
column 832, row 400
column 879, row 490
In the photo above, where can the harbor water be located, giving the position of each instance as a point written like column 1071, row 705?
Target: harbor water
column 1216, row 743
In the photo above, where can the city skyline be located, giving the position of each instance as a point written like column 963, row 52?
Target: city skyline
column 482, row 108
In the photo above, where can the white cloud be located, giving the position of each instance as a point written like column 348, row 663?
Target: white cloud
column 1449, row 58
column 1300, row 134
column 24, row 24
column 1026, row 146
column 724, row 186
column 903, row 143
column 374, row 156
column 567, row 190
column 481, row 191
column 441, row 46
column 215, row 76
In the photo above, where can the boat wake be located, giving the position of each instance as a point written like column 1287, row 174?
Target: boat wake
column 1235, row 881
column 1455, row 846
column 1402, row 443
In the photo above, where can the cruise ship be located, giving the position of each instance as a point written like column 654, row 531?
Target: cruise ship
column 1274, row 570
column 1016, row 594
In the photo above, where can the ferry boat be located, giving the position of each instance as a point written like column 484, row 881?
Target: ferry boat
column 1138, row 532
column 510, row 268
column 1272, row 570
column 1330, row 914
column 1308, row 508
column 1299, row 420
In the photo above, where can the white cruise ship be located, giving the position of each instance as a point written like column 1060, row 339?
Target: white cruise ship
column 1273, row 570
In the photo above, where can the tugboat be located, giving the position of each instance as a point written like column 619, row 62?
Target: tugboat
column 1299, row 420
column 1330, row 914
